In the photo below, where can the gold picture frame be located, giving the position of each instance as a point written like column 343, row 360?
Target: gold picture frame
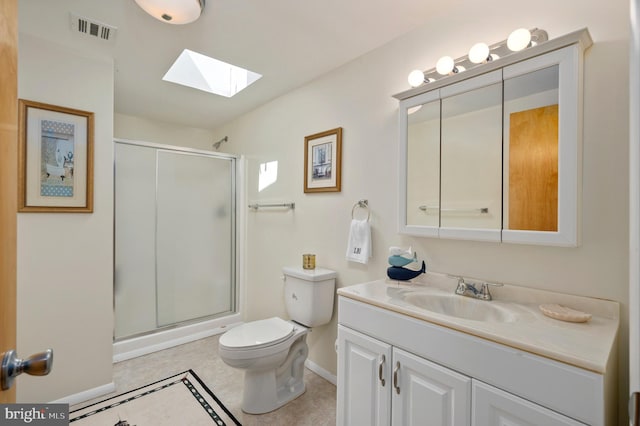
column 323, row 161
column 55, row 159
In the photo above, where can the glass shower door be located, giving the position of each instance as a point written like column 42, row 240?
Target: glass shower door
column 175, row 237
column 195, row 247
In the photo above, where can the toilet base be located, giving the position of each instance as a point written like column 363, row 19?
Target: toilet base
column 268, row 390
column 259, row 397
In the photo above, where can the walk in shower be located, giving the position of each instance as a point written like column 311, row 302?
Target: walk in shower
column 176, row 272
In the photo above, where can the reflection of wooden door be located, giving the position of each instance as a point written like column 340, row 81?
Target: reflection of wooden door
column 533, row 169
column 8, row 178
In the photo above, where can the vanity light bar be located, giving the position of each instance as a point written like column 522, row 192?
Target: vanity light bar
column 480, row 53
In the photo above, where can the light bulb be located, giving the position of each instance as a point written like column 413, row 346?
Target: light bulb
column 416, row 78
column 479, row 53
column 519, row 39
column 445, row 65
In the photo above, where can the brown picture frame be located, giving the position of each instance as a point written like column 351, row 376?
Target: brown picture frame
column 323, row 161
column 55, row 159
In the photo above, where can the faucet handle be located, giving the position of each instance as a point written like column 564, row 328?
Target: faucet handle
column 485, row 294
column 462, row 286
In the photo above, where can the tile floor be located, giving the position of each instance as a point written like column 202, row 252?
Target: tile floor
column 317, row 406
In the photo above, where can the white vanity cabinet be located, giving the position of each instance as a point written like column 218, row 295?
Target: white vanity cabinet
column 382, row 385
column 395, row 369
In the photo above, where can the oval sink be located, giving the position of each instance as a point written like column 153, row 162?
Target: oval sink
column 461, row 307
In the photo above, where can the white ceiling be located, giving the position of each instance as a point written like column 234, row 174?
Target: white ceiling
column 289, row 42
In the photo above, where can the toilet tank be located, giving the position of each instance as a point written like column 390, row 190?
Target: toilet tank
column 308, row 294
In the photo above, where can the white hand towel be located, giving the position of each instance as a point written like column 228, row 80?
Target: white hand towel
column 359, row 246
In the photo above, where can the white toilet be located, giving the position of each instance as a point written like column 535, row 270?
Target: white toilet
column 273, row 351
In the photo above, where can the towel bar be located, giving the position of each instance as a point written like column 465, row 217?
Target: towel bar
column 481, row 210
column 257, row 206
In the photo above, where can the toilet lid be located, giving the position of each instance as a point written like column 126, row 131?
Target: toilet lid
column 257, row 334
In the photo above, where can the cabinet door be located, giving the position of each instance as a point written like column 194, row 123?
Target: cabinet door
column 363, row 380
column 542, row 149
column 471, row 159
column 425, row 393
column 491, row 407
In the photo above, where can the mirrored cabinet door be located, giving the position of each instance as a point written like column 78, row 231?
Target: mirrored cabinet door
column 419, row 124
column 423, row 164
column 542, row 133
column 531, row 151
column 471, row 175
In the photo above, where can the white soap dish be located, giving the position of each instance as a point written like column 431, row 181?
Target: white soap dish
column 563, row 313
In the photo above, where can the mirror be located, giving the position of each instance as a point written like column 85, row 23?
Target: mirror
column 495, row 156
column 471, row 179
column 423, row 164
column 531, row 151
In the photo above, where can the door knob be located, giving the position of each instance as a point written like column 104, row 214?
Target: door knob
column 36, row 365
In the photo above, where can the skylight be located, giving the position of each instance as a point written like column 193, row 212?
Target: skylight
column 193, row 69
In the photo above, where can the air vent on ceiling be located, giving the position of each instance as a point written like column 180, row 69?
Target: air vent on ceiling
column 92, row 27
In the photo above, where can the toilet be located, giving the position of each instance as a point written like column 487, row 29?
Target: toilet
column 272, row 351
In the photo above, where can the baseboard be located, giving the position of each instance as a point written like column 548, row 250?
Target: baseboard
column 321, row 371
column 87, row 395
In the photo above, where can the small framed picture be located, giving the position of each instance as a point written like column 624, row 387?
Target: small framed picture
column 322, row 161
column 55, row 159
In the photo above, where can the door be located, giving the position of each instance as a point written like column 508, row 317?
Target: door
column 427, row 392
column 8, row 177
column 363, row 380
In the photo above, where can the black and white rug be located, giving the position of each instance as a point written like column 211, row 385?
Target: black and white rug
column 182, row 399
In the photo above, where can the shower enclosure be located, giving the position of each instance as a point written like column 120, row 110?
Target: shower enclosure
column 175, row 238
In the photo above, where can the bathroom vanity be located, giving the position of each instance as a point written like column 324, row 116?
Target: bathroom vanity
column 417, row 353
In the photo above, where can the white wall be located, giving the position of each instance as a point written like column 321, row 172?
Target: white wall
column 142, row 129
column 357, row 97
column 65, row 260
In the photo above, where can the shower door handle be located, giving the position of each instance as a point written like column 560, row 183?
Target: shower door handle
column 39, row 364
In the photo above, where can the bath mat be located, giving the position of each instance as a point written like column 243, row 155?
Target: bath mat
column 182, row 399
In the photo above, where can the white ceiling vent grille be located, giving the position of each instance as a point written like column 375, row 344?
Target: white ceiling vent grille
column 92, row 28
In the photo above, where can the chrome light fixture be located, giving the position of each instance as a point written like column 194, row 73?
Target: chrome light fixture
column 480, row 53
column 175, row 12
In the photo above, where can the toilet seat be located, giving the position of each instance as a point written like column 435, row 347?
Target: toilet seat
column 257, row 334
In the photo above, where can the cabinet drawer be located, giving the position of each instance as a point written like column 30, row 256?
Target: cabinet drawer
column 492, row 406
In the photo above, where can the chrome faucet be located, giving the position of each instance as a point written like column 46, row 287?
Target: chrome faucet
column 470, row 289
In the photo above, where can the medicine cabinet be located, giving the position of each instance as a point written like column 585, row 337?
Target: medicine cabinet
column 494, row 153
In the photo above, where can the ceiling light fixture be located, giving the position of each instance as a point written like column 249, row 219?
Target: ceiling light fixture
column 480, row 53
column 175, row 12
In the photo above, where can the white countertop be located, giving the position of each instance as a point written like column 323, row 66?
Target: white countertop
column 586, row 345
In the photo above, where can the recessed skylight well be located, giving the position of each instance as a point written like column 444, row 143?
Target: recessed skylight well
column 193, row 69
